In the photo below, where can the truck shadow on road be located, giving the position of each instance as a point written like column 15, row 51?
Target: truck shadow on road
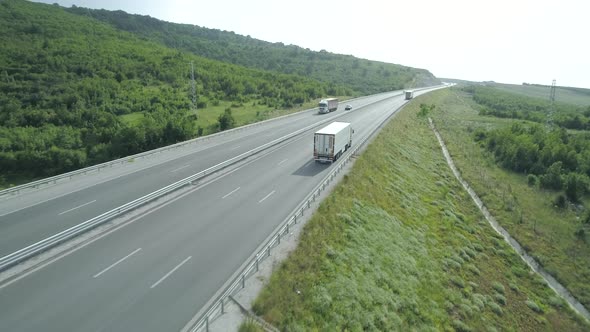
column 311, row 168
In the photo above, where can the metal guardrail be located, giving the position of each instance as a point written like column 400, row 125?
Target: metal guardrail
column 218, row 306
column 52, row 241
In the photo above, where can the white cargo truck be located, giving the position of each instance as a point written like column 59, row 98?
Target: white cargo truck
column 409, row 94
column 330, row 142
column 328, row 105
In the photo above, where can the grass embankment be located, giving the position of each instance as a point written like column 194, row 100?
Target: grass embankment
column 528, row 213
column 399, row 245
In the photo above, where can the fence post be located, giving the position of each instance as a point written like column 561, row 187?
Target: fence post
column 256, row 262
column 243, row 280
column 222, row 307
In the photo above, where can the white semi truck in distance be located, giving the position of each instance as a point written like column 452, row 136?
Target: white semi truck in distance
column 328, row 105
column 330, row 142
column 409, row 94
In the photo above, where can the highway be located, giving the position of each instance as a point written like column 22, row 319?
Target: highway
column 154, row 273
column 31, row 217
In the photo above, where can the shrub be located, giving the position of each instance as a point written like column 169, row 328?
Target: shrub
column 534, row 306
column 576, row 185
column 500, row 299
column 556, row 301
column 226, row 120
column 250, row 326
column 498, row 287
column 457, row 281
column 553, row 178
column 460, row 326
column 560, row 201
column 496, row 308
column 532, row 180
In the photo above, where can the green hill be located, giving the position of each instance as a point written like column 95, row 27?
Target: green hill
column 66, row 80
column 363, row 76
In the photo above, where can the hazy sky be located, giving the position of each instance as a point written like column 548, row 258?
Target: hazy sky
column 510, row 41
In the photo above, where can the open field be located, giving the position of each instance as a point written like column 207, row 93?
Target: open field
column 399, row 245
column 576, row 96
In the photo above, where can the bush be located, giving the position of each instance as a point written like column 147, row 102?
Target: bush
column 226, row 120
column 560, row 201
column 459, row 326
column 496, row 308
column 553, row 178
column 500, row 299
column 457, row 281
column 576, row 185
column 498, row 287
column 532, row 180
column 250, row 326
column 534, row 306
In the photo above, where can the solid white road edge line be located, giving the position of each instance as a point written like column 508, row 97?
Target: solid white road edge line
column 115, row 263
column 233, row 191
column 172, row 271
column 267, row 196
column 77, row 207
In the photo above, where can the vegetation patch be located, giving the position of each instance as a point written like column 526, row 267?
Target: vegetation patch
column 544, row 221
column 396, row 246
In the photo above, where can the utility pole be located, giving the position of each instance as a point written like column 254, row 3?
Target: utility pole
column 552, row 92
column 193, row 89
column 552, row 106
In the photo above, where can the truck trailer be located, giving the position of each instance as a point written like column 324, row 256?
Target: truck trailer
column 328, row 105
column 330, row 142
column 409, row 94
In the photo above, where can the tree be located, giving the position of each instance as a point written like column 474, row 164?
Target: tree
column 553, row 178
column 576, row 185
column 226, row 120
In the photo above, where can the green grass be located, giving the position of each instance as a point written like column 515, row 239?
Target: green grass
column 526, row 212
column 132, row 118
column 399, row 245
column 576, row 96
column 245, row 113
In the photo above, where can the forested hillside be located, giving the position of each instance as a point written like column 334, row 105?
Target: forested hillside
column 66, row 79
column 363, row 76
